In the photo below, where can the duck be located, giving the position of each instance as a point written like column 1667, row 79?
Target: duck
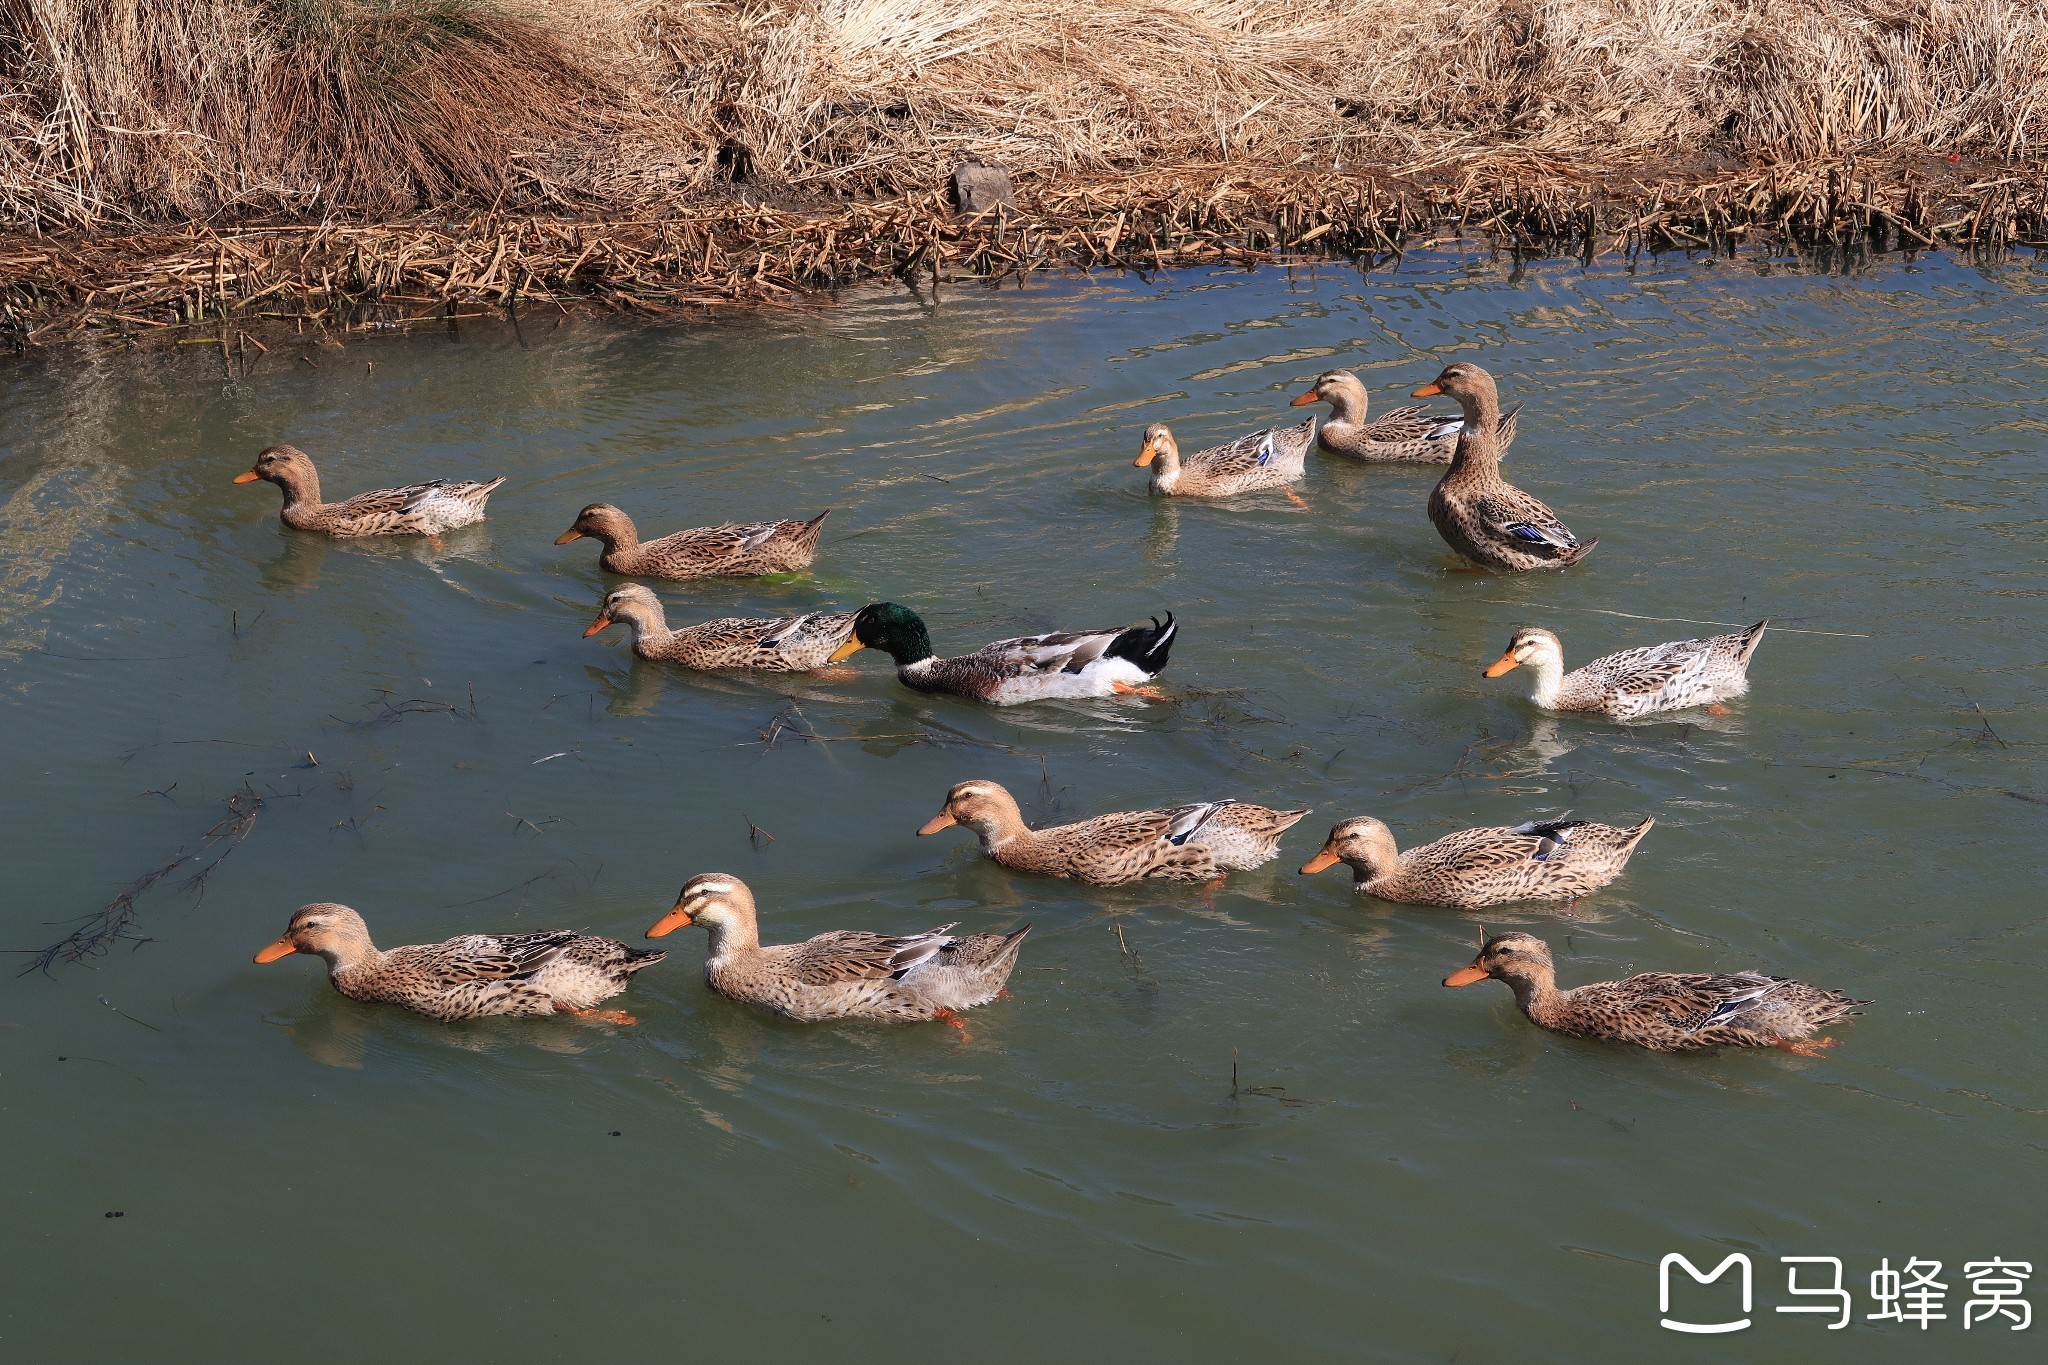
column 418, row 509
column 1480, row 514
column 473, row 976
column 1541, row 860
column 1194, row 843
column 1272, row 458
column 732, row 550
column 1085, row 663
column 1407, row 435
column 1673, row 676
column 845, row 973
column 1662, row 1011
column 773, row 644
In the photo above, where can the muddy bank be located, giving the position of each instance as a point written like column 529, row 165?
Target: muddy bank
column 223, row 282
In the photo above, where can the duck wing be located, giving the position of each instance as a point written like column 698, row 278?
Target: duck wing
column 1513, row 515
column 852, row 955
column 484, row 957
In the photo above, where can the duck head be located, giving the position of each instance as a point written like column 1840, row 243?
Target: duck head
column 1362, row 843
column 1533, row 648
column 633, row 604
column 1471, row 386
column 985, row 807
column 326, row 930
column 601, row 521
column 1159, row 445
column 897, row 631
column 1521, row 960
column 719, row 901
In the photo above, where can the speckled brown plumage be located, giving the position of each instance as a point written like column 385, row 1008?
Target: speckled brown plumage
column 1478, row 513
column 774, row 644
column 1634, row 682
column 1547, row 860
column 732, row 550
column 1194, row 843
column 1407, row 435
column 418, row 509
column 1272, row 458
column 844, row 974
column 470, row 977
column 1662, row 1011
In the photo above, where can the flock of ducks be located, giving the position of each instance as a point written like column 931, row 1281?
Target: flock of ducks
column 938, row 975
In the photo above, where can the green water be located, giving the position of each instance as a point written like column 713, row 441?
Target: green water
column 1402, row 1173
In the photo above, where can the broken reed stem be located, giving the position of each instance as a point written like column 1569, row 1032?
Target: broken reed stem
column 110, row 924
column 395, row 276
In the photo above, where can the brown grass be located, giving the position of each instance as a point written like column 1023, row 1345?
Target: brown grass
column 176, row 125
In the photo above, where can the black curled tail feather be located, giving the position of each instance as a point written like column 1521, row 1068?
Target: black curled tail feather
column 1146, row 646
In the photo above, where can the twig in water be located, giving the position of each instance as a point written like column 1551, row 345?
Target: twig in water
column 755, row 834
column 129, row 1017
column 110, row 924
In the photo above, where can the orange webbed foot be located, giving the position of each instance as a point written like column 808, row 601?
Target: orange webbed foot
column 1806, row 1047
column 1148, row 692
column 600, row 1016
column 1294, row 497
column 952, row 1020
column 1716, row 709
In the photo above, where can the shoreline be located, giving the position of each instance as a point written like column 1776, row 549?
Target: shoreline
column 236, row 285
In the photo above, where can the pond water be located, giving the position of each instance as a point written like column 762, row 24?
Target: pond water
column 1202, row 1126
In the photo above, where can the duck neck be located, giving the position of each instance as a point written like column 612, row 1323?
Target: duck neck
column 353, row 953
column 1546, row 676
column 1347, row 407
column 1166, row 465
column 735, row 935
column 1537, row 995
column 649, row 624
column 1478, row 444
column 301, row 487
column 618, row 535
column 998, row 827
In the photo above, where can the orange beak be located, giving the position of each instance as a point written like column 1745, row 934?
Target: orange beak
column 1465, row 976
column 571, row 534
column 943, row 820
column 669, row 923
column 603, row 620
column 846, row 651
column 1327, row 858
column 1305, row 399
column 284, row 947
column 1429, row 390
column 1145, row 455
column 1506, row 663
column 247, row 476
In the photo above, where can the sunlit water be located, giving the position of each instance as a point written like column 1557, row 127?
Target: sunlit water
column 1200, row 1129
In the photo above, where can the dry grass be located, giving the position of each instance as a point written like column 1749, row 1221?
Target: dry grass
column 161, row 109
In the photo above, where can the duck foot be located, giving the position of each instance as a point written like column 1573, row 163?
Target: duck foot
column 1806, row 1047
column 952, row 1020
column 598, row 1016
column 1569, row 906
column 1294, row 497
column 1715, row 708
column 436, row 544
column 1148, row 692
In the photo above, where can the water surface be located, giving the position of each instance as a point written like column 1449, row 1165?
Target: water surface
column 1202, row 1127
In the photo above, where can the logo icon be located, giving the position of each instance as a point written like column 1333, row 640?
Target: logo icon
column 1735, row 1258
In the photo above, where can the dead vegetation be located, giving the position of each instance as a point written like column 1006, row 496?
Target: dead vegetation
column 171, row 161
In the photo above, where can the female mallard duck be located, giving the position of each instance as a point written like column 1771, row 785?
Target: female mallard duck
column 1411, row 435
column 556, row 972
column 1634, row 682
column 1543, row 860
column 729, row 551
column 1198, row 843
column 1264, row 459
column 844, row 974
column 1086, row 663
column 418, row 509
column 776, row 644
column 1662, row 1011
column 1485, row 518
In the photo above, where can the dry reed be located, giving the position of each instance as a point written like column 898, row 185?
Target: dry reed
column 178, row 160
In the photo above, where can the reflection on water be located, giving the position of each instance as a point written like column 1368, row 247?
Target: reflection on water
column 1246, row 1121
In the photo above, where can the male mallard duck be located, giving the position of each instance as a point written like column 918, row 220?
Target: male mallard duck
column 1411, row 435
column 844, row 974
column 1197, row 843
column 1485, row 518
column 1086, row 663
column 556, row 972
column 1543, row 860
column 776, row 644
column 728, row 551
column 1265, row 459
column 418, row 509
column 1635, row 682
column 1662, row 1011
